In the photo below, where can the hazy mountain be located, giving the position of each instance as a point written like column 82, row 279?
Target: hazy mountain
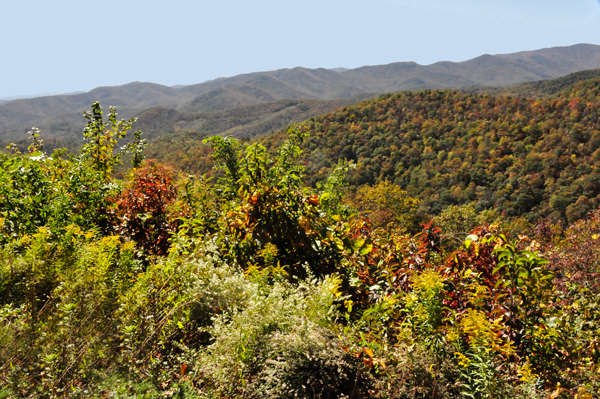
column 60, row 116
column 245, row 121
column 25, row 96
column 538, row 89
column 176, row 138
column 45, row 94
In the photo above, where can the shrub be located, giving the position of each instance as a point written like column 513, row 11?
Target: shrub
column 415, row 373
column 388, row 204
column 281, row 345
column 144, row 207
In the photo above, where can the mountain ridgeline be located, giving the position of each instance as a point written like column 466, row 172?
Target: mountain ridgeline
column 525, row 150
column 60, row 116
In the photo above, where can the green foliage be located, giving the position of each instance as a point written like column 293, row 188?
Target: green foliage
column 479, row 374
column 268, row 205
column 102, row 137
column 458, row 220
column 136, row 147
column 528, row 284
column 424, row 304
column 37, row 190
column 57, row 305
column 226, row 153
column 259, row 286
column 332, row 190
column 26, row 192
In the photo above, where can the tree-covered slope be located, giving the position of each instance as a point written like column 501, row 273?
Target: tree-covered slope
column 522, row 156
column 244, row 121
column 540, row 88
column 532, row 157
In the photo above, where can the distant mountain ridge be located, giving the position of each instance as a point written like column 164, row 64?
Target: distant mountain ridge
column 177, row 139
column 46, row 94
column 60, row 116
column 540, row 88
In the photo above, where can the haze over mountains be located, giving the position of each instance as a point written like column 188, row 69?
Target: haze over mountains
column 256, row 103
column 27, row 96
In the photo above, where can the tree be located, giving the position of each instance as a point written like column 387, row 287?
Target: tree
column 388, row 204
column 102, row 137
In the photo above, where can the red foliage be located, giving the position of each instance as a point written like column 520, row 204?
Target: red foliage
column 144, row 207
column 394, row 258
column 573, row 253
column 479, row 258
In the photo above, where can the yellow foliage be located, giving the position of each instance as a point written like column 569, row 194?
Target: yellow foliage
column 271, row 270
column 477, row 294
column 526, row 373
column 481, row 332
column 428, row 281
column 387, row 203
column 332, row 284
column 582, row 393
column 269, row 253
column 463, row 361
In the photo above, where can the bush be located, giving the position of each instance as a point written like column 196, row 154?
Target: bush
column 144, row 208
column 415, row 373
column 281, row 344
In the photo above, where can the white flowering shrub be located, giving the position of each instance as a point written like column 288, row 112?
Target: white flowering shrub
column 279, row 345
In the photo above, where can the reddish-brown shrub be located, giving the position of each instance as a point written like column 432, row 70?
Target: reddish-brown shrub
column 144, row 207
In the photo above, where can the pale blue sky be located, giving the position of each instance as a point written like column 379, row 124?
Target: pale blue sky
column 70, row 45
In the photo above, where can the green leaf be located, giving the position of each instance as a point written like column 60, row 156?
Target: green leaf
column 366, row 249
column 358, row 244
column 472, row 238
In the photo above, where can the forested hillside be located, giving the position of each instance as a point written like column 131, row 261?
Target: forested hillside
column 247, row 121
column 536, row 158
column 540, row 88
column 524, row 157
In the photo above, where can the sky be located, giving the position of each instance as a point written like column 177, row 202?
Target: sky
column 64, row 46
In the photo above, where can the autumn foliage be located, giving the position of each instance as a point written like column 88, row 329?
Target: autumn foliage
column 524, row 157
column 254, row 284
column 145, row 208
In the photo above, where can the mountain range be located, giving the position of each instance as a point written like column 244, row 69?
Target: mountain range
column 186, row 151
column 256, row 103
